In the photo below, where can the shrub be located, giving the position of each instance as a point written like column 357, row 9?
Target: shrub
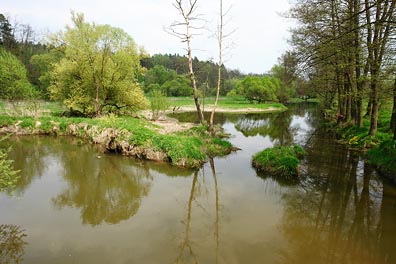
column 158, row 103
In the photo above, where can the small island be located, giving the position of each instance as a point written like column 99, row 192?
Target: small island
column 279, row 161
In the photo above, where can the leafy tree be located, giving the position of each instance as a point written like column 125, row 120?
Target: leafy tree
column 14, row 85
column 43, row 65
column 156, row 77
column 7, row 39
column 179, row 86
column 229, row 85
column 259, row 89
column 167, row 81
column 286, row 72
column 99, row 71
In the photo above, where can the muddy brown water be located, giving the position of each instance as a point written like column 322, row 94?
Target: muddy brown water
column 74, row 204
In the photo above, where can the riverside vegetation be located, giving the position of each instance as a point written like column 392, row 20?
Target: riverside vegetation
column 380, row 148
column 126, row 135
column 280, row 161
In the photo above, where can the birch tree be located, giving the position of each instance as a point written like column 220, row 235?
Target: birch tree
column 183, row 29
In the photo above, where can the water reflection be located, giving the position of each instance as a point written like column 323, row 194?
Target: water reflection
column 29, row 157
column 188, row 249
column 12, row 244
column 284, row 128
column 104, row 190
column 340, row 213
column 337, row 211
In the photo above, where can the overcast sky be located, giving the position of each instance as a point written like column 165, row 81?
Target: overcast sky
column 260, row 37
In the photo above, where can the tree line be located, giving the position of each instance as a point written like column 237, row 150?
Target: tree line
column 346, row 53
column 96, row 69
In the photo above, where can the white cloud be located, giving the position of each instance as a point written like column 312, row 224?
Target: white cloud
column 260, row 37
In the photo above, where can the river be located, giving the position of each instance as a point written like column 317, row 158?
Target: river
column 74, row 204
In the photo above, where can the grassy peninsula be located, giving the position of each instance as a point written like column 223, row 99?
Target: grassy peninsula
column 184, row 145
column 126, row 135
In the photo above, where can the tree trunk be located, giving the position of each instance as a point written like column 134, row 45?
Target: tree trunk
column 192, row 78
column 220, row 43
column 374, row 107
column 359, row 82
column 188, row 16
column 393, row 118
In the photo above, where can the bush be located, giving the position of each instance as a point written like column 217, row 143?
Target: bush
column 279, row 161
column 158, row 103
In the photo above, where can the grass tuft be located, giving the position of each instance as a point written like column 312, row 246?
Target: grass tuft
column 279, row 161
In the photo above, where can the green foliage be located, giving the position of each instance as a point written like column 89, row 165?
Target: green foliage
column 384, row 157
column 43, row 65
column 286, row 72
column 279, row 161
column 158, row 103
column 157, row 75
column 179, row 86
column 229, row 86
column 8, row 176
column 259, row 89
column 14, row 85
column 168, row 81
column 99, row 71
column 205, row 72
column 188, row 149
column 7, row 39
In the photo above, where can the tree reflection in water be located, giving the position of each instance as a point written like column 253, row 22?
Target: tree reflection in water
column 105, row 189
column 29, row 157
column 199, row 191
column 12, row 244
column 341, row 213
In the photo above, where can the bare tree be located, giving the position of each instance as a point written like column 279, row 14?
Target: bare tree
column 187, row 9
column 220, row 36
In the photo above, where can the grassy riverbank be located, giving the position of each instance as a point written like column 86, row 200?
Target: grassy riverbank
column 126, row 135
column 380, row 148
column 132, row 136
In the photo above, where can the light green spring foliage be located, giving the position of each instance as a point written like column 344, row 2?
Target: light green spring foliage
column 168, row 81
column 279, row 160
column 44, row 63
column 158, row 103
column 14, row 85
column 99, row 71
column 259, row 89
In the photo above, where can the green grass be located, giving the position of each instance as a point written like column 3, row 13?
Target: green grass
column 279, row 161
column 384, row 157
column 225, row 102
column 358, row 136
column 46, row 108
column 382, row 152
column 299, row 100
column 189, row 148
